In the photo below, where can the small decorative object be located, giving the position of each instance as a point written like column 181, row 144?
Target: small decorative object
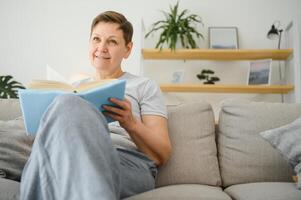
column 223, row 38
column 275, row 32
column 8, row 87
column 178, row 76
column 206, row 74
column 177, row 25
column 260, row 72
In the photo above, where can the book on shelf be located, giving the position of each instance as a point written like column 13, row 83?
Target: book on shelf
column 40, row 93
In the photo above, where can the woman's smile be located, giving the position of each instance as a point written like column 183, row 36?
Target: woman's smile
column 100, row 56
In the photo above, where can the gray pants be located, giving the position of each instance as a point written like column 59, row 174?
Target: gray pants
column 73, row 158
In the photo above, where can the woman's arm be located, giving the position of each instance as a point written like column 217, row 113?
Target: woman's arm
column 150, row 135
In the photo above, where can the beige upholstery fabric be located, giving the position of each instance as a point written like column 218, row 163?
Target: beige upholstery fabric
column 244, row 156
column 9, row 109
column 15, row 148
column 183, row 192
column 9, row 190
column 194, row 159
column 264, row 191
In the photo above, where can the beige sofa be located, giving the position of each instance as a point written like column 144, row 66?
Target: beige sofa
column 219, row 162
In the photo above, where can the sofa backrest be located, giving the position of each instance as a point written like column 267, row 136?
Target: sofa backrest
column 194, row 155
column 192, row 132
column 9, row 109
column 244, row 156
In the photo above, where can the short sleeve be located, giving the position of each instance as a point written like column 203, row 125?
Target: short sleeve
column 152, row 102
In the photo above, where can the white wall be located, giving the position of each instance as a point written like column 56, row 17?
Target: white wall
column 292, row 69
column 35, row 33
column 253, row 19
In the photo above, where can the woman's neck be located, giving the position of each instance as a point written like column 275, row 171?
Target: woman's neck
column 104, row 75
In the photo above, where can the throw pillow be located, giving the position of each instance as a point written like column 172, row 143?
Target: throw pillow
column 244, row 157
column 287, row 139
column 15, row 147
column 194, row 153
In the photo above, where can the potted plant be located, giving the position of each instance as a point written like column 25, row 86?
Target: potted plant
column 206, row 74
column 177, row 25
column 9, row 87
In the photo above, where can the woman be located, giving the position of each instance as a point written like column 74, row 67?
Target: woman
column 76, row 155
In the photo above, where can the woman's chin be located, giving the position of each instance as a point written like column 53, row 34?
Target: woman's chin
column 101, row 67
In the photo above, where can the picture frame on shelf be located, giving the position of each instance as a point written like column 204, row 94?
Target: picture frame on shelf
column 260, row 72
column 223, row 37
column 178, row 76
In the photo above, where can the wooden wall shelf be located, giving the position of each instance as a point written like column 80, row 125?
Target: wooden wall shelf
column 217, row 54
column 221, row 55
column 266, row 89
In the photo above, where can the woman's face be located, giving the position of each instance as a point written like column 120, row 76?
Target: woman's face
column 107, row 47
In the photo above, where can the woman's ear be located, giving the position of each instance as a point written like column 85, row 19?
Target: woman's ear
column 128, row 49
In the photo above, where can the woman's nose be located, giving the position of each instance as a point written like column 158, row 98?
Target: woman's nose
column 102, row 46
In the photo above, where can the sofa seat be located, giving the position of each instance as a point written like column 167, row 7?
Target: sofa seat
column 9, row 189
column 183, row 191
column 264, row 191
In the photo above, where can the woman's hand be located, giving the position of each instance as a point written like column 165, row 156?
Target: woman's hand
column 122, row 113
column 150, row 135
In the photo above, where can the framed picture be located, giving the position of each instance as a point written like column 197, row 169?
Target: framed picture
column 178, row 76
column 260, row 72
column 223, row 37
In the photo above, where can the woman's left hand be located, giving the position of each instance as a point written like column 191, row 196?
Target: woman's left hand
column 122, row 113
column 150, row 134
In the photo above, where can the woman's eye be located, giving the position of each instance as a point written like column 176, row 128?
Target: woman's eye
column 113, row 42
column 96, row 39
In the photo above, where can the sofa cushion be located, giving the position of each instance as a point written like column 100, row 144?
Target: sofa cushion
column 9, row 109
column 244, row 156
column 194, row 154
column 15, row 147
column 9, row 190
column 181, row 192
column 287, row 139
column 264, row 191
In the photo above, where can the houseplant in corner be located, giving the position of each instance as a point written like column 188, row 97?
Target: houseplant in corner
column 177, row 25
column 9, row 87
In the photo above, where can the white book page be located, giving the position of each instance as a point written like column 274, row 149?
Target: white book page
column 53, row 75
column 75, row 80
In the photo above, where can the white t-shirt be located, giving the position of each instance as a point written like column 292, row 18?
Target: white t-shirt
column 146, row 99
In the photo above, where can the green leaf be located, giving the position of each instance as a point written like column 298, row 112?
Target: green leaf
column 207, row 71
column 214, row 78
column 201, row 76
column 8, row 87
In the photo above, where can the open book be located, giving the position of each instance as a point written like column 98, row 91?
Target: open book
column 36, row 99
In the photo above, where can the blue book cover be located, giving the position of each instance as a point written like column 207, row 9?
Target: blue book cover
column 34, row 102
